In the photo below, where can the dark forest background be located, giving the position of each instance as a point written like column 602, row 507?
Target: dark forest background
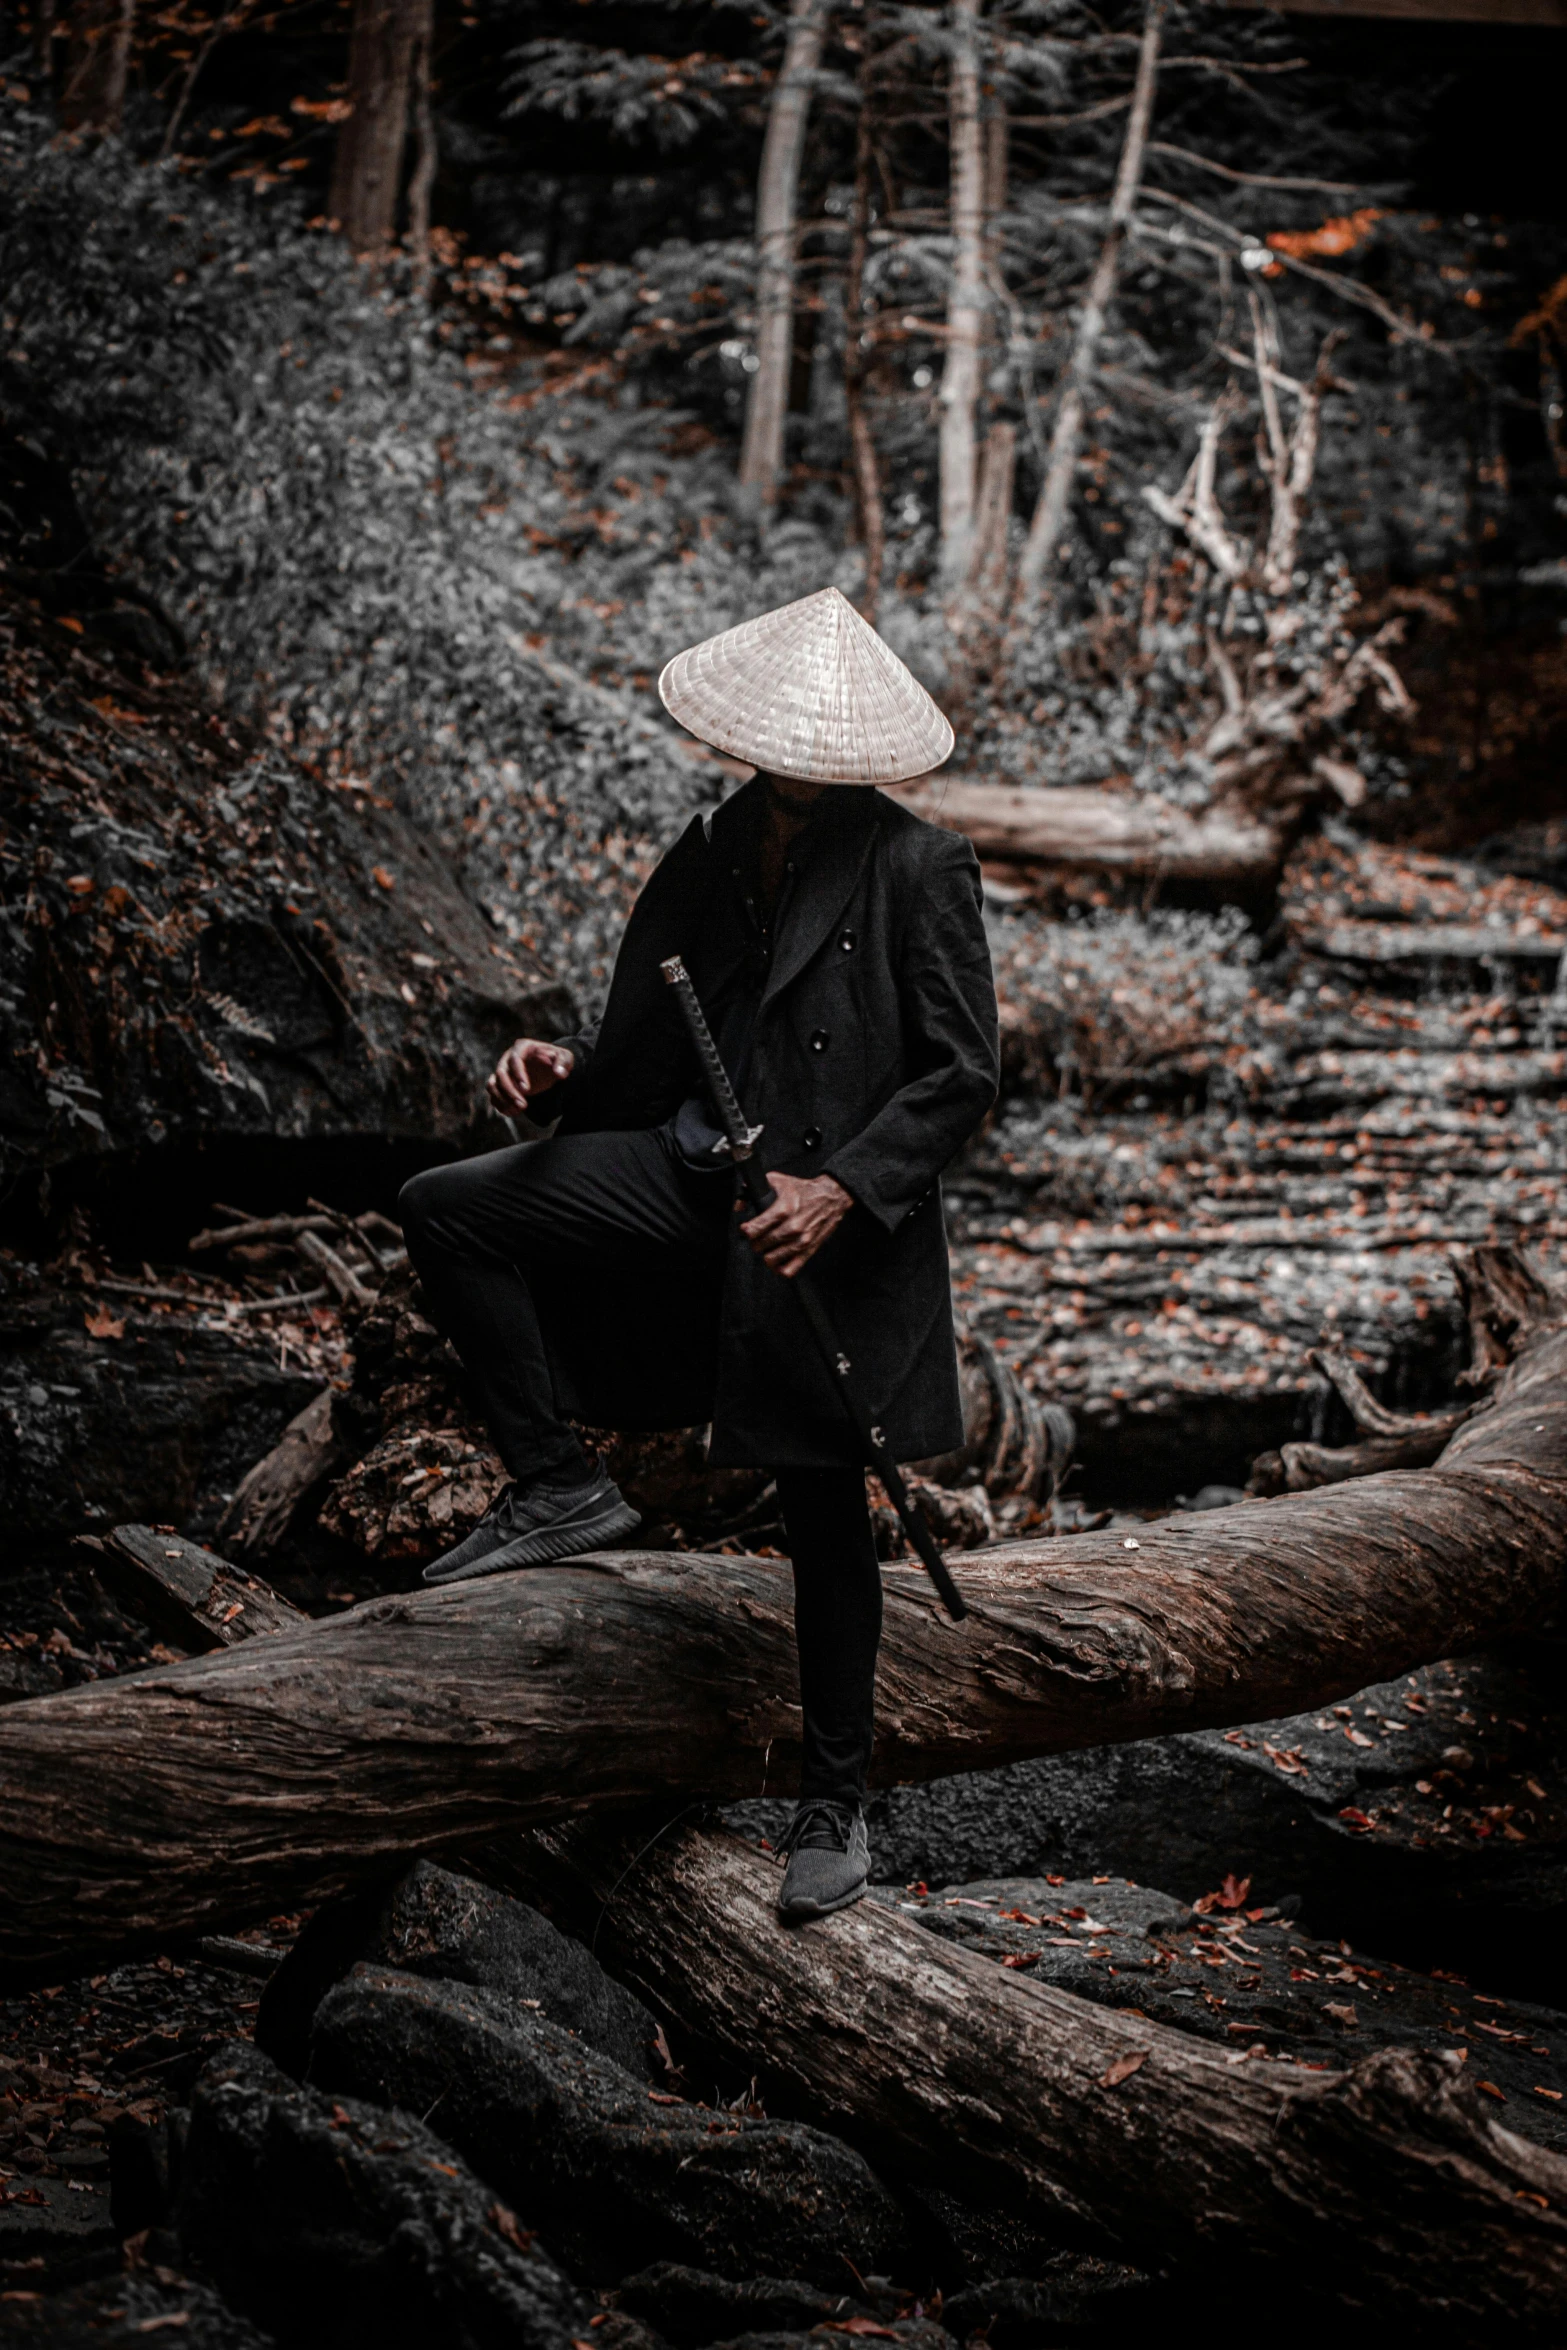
column 396, row 371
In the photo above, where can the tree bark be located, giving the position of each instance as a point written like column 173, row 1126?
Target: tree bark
column 1385, row 2184
column 421, row 185
column 100, row 55
column 777, row 192
column 960, row 380
column 368, row 165
column 234, row 1785
column 189, row 1595
column 869, row 507
column 1109, row 831
column 269, row 1495
column 1066, row 435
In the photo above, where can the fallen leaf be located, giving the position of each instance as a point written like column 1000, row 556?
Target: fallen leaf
column 858, row 2325
column 507, row 2224
column 662, row 2097
column 1021, row 1958
column 100, row 1323
column 1491, row 2090
column 382, row 879
column 1554, row 2095
column 1355, row 1820
column 167, row 2323
column 1342, row 2011
column 1123, row 2069
column 1231, row 1895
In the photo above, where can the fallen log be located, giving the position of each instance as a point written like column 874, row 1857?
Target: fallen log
column 228, row 1787
column 1384, row 2186
column 187, row 1594
column 271, row 1493
column 1080, row 825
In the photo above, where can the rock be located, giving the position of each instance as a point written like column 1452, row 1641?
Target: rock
column 144, row 2167
column 434, row 1923
column 966, row 2242
column 691, row 2306
column 1342, row 1807
column 227, row 945
column 53, row 2231
column 334, row 2221
column 915, row 2333
column 1254, row 1982
column 1079, row 2299
column 158, row 1422
column 134, row 2308
column 613, row 2174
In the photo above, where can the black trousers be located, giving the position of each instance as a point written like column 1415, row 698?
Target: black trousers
column 473, row 1229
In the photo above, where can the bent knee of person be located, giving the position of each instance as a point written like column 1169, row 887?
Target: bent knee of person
column 424, row 1198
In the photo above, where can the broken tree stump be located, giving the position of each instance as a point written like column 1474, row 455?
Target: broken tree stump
column 231, row 1786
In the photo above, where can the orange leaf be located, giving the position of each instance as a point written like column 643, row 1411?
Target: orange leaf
column 1331, row 239
column 100, row 1323
column 1491, row 2090
column 1123, row 2069
column 507, row 2224
column 381, row 877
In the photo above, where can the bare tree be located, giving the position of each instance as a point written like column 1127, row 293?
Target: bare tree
column 99, row 65
column 387, row 39
column 421, row 183
column 1066, row 436
column 869, row 508
column 966, row 303
column 777, row 196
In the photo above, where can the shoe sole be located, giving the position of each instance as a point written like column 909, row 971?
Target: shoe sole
column 549, row 1544
column 801, row 1913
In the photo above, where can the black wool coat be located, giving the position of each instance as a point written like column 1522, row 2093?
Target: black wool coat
column 874, row 1056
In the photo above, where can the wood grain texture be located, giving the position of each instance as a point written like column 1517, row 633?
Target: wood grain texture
column 193, row 1796
column 1387, row 2184
column 1118, row 832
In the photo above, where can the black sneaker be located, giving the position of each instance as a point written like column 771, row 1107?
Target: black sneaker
column 530, row 1526
column 829, row 1860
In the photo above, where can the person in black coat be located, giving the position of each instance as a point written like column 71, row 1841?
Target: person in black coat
column 604, row 1275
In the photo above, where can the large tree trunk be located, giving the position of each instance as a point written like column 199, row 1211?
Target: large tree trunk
column 388, row 38
column 777, row 191
column 960, row 378
column 1066, row 435
column 1078, row 825
column 1043, row 2118
column 235, row 1784
column 1385, row 2184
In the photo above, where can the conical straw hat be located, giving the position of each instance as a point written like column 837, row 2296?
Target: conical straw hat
column 809, row 692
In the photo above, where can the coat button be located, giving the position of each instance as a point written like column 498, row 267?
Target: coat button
column 847, row 941
column 820, row 1040
column 812, row 1138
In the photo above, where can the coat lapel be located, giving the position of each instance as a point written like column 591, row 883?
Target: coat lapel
column 824, row 888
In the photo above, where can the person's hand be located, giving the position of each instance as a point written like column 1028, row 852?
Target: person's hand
column 806, row 1211
column 524, row 1069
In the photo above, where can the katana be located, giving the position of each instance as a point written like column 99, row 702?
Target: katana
column 739, row 1142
